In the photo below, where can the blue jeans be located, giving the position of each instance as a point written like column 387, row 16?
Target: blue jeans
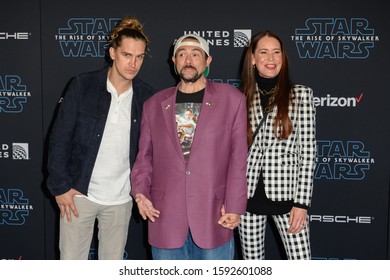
column 190, row 251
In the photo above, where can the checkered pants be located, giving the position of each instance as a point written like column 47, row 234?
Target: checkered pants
column 252, row 236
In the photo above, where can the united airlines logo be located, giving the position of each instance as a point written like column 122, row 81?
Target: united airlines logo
column 14, row 207
column 342, row 160
column 335, row 38
column 15, row 151
column 20, row 151
column 13, row 94
column 242, row 37
column 224, row 38
column 85, row 37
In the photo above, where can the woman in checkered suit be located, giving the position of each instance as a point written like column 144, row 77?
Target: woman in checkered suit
column 281, row 156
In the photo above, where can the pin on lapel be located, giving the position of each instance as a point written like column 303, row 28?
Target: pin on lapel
column 208, row 103
column 167, row 107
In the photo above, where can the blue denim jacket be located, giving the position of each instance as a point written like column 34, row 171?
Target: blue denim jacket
column 77, row 131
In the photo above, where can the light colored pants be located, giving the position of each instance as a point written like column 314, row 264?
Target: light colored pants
column 113, row 225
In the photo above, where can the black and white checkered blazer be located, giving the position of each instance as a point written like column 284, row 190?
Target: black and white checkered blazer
column 288, row 164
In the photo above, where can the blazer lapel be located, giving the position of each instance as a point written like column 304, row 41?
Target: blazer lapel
column 208, row 105
column 168, row 109
column 267, row 129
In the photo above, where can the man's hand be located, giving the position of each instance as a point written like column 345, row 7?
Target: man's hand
column 228, row 220
column 66, row 204
column 146, row 208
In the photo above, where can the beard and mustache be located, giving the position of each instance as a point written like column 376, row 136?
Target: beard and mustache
column 196, row 76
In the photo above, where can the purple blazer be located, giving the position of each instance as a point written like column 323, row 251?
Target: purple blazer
column 190, row 194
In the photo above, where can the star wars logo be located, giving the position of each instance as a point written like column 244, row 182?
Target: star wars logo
column 335, row 38
column 13, row 94
column 14, row 207
column 85, row 37
column 338, row 160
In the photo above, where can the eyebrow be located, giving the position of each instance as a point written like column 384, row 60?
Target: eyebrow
column 125, row 52
column 194, row 49
column 268, row 49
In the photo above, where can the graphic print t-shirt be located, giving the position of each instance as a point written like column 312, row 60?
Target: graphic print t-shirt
column 187, row 115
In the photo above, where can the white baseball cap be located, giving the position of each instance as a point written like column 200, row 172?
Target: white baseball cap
column 202, row 43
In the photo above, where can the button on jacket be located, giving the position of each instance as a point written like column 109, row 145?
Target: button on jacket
column 76, row 136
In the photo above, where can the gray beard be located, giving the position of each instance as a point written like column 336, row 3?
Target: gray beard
column 196, row 77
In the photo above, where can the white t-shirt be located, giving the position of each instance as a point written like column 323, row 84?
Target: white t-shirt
column 110, row 180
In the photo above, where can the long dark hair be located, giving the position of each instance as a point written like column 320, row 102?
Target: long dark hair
column 283, row 89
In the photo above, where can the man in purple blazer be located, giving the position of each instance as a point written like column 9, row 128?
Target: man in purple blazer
column 189, row 178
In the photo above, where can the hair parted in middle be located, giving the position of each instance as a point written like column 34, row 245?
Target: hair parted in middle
column 283, row 87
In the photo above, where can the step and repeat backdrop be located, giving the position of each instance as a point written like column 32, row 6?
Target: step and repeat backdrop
column 338, row 48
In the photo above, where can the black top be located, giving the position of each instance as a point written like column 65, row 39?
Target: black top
column 196, row 97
